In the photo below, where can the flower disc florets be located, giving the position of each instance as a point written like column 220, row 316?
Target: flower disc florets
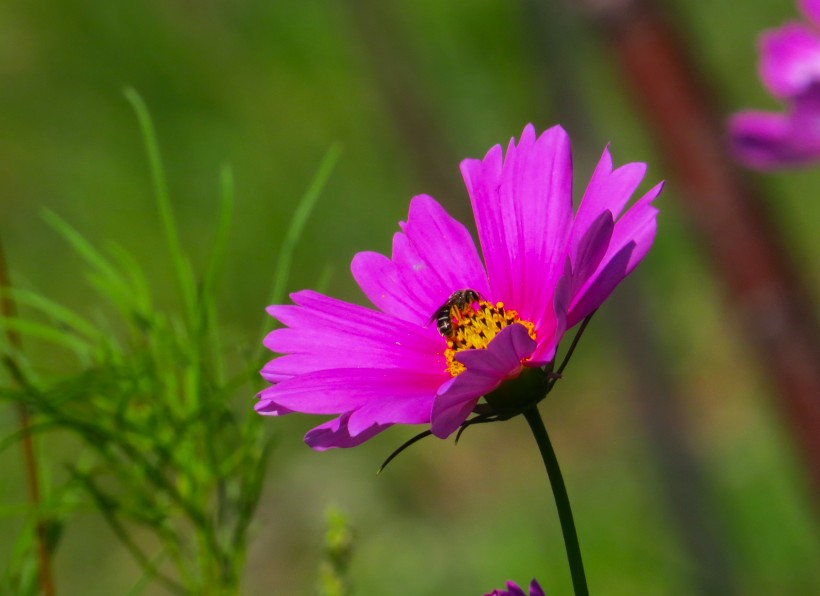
column 474, row 326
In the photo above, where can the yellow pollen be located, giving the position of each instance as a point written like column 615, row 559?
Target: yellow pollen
column 473, row 329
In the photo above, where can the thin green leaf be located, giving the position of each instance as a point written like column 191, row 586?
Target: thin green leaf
column 47, row 333
column 181, row 264
column 83, row 247
column 294, row 232
column 142, row 583
column 140, row 291
column 118, row 294
column 226, row 205
column 60, row 314
column 252, row 484
column 111, row 283
column 217, row 354
column 20, row 576
column 297, row 223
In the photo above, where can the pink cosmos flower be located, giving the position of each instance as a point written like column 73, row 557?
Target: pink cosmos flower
column 421, row 358
column 514, row 589
column 790, row 69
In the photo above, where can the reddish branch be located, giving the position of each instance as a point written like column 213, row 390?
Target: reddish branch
column 27, row 444
column 745, row 248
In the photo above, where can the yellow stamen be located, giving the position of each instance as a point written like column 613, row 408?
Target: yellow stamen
column 474, row 329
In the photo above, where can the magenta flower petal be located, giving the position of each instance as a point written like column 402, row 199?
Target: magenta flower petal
column 608, row 190
column 381, row 282
column 627, row 242
column 326, row 333
column 761, row 139
column 790, row 60
column 811, row 10
column 486, row 370
column 435, row 236
column 766, row 140
column 790, row 68
column 631, row 239
column 447, row 331
column 382, row 391
column 638, row 226
column 420, row 276
column 335, row 433
column 523, row 210
column 609, row 277
column 591, row 242
column 805, row 122
column 590, row 251
column 514, row 589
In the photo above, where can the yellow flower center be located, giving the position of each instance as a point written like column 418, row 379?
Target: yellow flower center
column 473, row 329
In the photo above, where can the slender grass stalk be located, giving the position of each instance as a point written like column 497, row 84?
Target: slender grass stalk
column 295, row 228
column 220, row 245
column 45, row 577
column 559, row 492
column 297, row 224
column 169, row 225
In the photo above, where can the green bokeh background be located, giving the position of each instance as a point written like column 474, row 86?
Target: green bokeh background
column 268, row 87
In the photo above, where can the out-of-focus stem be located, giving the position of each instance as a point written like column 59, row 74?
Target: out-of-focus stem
column 656, row 398
column 29, row 457
column 748, row 252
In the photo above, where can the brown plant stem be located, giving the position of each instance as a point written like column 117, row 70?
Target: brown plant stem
column 749, row 253
column 46, row 580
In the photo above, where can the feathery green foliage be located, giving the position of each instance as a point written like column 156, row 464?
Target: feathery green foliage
column 166, row 445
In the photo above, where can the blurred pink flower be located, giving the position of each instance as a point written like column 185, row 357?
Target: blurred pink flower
column 544, row 270
column 790, row 69
column 513, row 589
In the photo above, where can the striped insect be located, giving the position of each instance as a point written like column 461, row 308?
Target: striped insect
column 443, row 316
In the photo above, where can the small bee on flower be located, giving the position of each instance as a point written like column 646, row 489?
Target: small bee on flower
column 453, row 308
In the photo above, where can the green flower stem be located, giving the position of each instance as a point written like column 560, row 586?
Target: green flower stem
column 559, row 491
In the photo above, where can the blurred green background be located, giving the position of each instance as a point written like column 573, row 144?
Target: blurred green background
column 408, row 90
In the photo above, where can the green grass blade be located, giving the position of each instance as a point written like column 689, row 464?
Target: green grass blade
column 61, row 315
column 220, row 246
column 85, row 249
column 294, row 232
column 137, row 282
column 46, row 333
column 103, row 275
column 181, row 265
column 297, row 224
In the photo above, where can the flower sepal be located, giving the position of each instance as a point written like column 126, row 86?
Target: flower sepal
column 515, row 395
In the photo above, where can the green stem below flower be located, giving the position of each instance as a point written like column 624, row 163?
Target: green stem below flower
column 559, row 491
